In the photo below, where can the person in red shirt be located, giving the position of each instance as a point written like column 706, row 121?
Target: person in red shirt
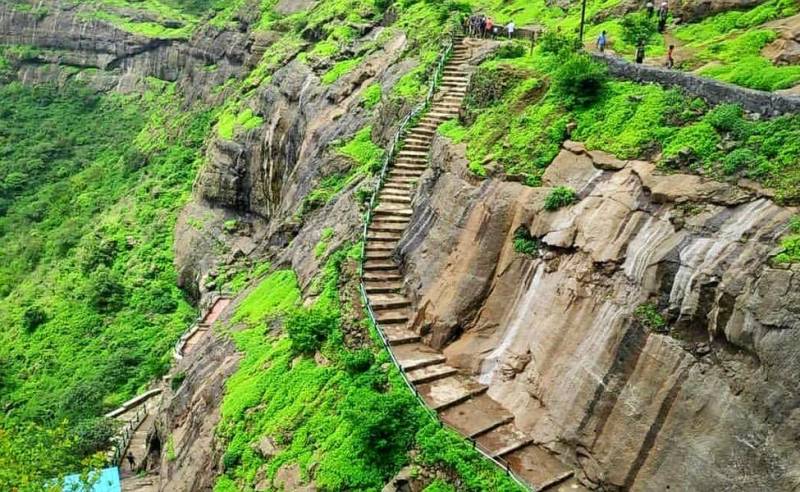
column 489, row 26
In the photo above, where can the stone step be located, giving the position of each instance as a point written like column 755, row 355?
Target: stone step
column 384, row 276
column 393, row 209
column 388, row 301
column 444, row 393
column 455, row 79
column 411, row 165
column 383, row 236
column 399, row 334
column 398, row 218
column 411, row 153
column 417, row 355
column 406, row 180
column 384, row 255
column 540, row 468
column 388, row 226
column 379, row 246
column 477, row 416
column 398, row 189
column 379, row 265
column 445, row 115
column 431, row 373
column 393, row 316
column 422, row 132
column 391, row 191
column 417, row 147
column 503, row 440
column 406, row 173
column 386, row 287
column 395, row 199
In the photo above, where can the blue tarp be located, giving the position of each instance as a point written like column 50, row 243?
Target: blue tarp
column 103, row 481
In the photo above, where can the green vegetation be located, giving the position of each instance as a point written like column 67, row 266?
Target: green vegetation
column 366, row 157
column 579, row 80
column 324, row 242
column 347, row 421
column 91, row 186
column 522, row 126
column 339, row 70
column 648, row 315
column 372, row 96
column 524, row 243
column 229, row 122
column 790, row 245
column 559, row 197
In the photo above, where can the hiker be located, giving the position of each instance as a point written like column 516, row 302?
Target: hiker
column 663, row 12
column 510, row 29
column 670, row 59
column 640, row 53
column 482, row 26
column 649, row 6
column 131, row 460
column 601, row 42
column 489, row 27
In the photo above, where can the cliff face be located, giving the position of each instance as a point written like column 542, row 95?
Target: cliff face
column 708, row 401
column 67, row 34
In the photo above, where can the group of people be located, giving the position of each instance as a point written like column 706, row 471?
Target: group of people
column 481, row 26
column 663, row 13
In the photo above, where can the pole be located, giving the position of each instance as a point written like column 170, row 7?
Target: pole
column 583, row 19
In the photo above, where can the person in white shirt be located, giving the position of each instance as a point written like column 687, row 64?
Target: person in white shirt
column 510, row 29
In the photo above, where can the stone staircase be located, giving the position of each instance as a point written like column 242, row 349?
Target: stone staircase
column 460, row 400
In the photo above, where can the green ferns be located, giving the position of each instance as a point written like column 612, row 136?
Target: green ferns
column 648, row 315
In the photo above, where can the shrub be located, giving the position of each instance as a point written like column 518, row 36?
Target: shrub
column 739, row 159
column 638, row 28
column 510, row 50
column 560, row 196
column 647, row 314
column 177, row 380
column 371, row 96
column 309, row 328
column 557, row 44
column 579, row 80
column 358, row 361
column 524, row 243
column 790, row 245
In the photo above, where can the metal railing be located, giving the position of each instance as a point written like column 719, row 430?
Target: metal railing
column 123, row 439
column 419, row 109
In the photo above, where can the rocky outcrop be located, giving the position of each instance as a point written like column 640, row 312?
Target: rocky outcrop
column 705, row 401
column 70, row 34
column 263, row 176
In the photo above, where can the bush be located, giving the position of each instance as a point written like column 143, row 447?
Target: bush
column 790, row 245
column 358, row 361
column 309, row 328
column 638, row 28
column 525, row 243
column 579, row 80
column 557, row 44
column 560, row 196
column 510, row 50
column 647, row 314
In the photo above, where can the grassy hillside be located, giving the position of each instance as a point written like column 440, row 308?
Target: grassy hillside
column 89, row 190
column 335, row 408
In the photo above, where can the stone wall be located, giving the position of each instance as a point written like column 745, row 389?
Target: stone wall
column 713, row 91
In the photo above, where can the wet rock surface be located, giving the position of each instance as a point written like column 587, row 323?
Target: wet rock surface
column 709, row 402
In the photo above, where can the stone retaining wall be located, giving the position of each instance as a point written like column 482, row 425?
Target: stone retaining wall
column 713, row 91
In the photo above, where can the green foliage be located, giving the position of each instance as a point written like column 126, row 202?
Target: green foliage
column 524, row 243
column 170, row 451
column 348, row 424
column 229, row 122
column 276, row 294
column 309, row 328
column 339, row 69
column 579, row 80
column 790, row 244
column 86, row 249
column 638, row 28
column 559, row 197
column 648, row 315
column 177, row 380
column 324, row 241
column 363, row 151
column 453, row 130
column 371, row 96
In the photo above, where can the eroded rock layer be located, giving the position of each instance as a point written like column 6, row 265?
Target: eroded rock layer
column 708, row 401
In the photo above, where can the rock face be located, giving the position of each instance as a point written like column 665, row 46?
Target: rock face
column 68, row 34
column 262, row 176
column 707, row 402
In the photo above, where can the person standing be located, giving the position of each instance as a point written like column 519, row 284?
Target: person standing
column 602, row 40
column 482, row 26
column 670, row 58
column 640, row 53
column 489, row 26
column 131, row 460
column 510, row 29
column 650, row 8
column 663, row 12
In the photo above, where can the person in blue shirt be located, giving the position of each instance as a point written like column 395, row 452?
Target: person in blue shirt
column 601, row 41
